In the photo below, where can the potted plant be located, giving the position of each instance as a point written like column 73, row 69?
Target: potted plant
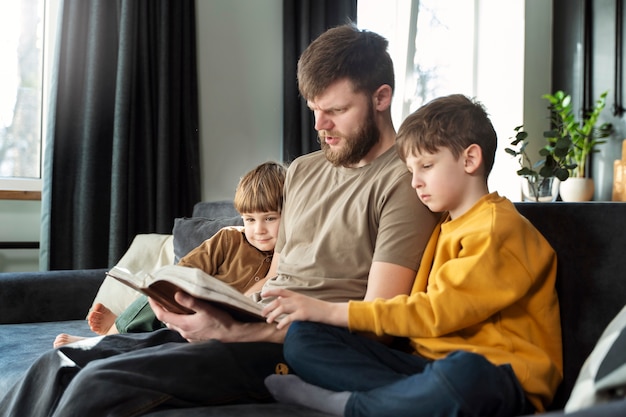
column 584, row 135
column 541, row 178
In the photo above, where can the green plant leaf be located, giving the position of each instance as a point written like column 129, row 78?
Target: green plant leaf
column 525, row 171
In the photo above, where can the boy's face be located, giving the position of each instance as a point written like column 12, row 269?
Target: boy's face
column 261, row 229
column 439, row 179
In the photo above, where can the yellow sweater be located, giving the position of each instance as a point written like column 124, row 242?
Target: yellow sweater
column 485, row 285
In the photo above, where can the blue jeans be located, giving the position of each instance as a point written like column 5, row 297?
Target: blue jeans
column 384, row 381
column 128, row 375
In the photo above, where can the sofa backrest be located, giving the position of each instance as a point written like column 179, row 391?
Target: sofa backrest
column 590, row 242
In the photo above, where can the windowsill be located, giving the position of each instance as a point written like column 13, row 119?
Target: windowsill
column 19, row 195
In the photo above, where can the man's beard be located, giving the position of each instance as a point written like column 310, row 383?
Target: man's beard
column 356, row 146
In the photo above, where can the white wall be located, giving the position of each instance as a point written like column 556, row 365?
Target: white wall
column 240, row 77
column 499, row 82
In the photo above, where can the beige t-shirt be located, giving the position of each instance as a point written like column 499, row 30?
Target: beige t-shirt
column 336, row 221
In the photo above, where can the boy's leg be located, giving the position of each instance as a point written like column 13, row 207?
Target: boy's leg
column 317, row 351
column 138, row 317
column 291, row 389
column 63, row 339
column 461, row 384
column 100, row 319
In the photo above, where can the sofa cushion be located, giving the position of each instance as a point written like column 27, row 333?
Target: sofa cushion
column 191, row 232
column 603, row 375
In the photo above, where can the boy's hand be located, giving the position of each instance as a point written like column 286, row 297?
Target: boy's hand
column 293, row 306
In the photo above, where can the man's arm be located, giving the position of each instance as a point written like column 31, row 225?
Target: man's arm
column 387, row 280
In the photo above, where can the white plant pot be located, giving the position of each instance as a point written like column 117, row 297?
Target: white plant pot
column 577, row 189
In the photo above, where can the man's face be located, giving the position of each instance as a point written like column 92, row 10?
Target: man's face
column 346, row 124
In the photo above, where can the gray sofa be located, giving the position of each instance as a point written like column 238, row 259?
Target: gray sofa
column 589, row 238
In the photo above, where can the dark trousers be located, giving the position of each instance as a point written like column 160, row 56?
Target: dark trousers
column 128, row 375
column 385, row 381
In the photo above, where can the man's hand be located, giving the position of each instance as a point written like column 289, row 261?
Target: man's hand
column 293, row 306
column 209, row 322
column 206, row 323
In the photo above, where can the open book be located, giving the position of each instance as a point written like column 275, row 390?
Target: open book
column 162, row 284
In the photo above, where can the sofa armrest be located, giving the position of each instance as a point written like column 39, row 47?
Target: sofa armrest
column 31, row 297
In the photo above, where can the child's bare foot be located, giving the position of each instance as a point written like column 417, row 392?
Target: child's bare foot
column 64, row 338
column 101, row 319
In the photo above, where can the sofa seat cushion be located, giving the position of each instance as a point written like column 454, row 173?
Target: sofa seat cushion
column 23, row 343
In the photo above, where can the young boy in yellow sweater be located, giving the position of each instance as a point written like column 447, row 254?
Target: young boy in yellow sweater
column 482, row 318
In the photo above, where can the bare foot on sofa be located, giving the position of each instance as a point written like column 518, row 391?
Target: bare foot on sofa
column 64, row 338
column 101, row 319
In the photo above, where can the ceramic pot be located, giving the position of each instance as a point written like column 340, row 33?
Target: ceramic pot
column 577, row 189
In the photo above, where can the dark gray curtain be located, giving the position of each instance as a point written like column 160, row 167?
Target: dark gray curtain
column 122, row 154
column 303, row 21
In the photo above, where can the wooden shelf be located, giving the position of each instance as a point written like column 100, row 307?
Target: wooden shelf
column 20, row 195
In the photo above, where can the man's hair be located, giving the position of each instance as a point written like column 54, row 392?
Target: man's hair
column 454, row 122
column 345, row 52
column 261, row 190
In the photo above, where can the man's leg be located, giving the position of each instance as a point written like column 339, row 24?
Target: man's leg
column 172, row 375
column 38, row 393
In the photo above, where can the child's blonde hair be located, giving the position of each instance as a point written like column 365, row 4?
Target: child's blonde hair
column 261, row 190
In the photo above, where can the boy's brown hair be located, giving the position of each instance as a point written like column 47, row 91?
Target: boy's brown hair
column 261, row 190
column 454, row 122
column 345, row 52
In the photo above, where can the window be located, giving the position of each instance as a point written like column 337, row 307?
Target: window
column 25, row 34
column 457, row 46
